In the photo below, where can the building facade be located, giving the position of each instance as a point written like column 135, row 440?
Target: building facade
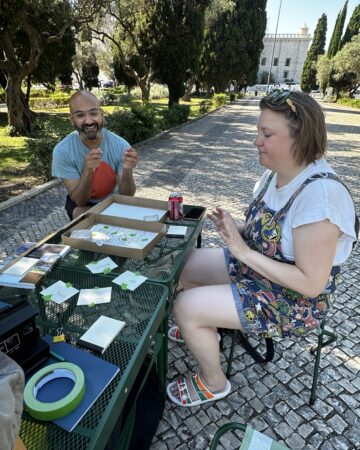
column 289, row 55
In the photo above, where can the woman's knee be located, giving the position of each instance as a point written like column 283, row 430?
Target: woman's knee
column 182, row 306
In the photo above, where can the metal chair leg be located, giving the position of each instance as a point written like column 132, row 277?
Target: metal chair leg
column 231, row 355
column 225, row 428
column 321, row 344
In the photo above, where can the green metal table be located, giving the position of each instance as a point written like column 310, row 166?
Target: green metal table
column 145, row 312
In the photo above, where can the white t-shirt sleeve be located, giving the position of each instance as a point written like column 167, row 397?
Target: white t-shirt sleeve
column 320, row 200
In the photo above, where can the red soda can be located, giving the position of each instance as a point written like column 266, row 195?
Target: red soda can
column 175, row 206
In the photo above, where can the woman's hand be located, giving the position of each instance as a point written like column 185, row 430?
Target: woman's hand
column 229, row 232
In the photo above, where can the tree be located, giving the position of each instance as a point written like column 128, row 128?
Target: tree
column 177, row 28
column 352, row 28
column 125, row 24
column 337, row 32
column 251, row 17
column 317, row 48
column 324, row 67
column 233, row 43
column 347, row 63
column 31, row 18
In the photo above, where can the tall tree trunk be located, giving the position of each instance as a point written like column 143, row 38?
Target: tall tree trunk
column 188, row 88
column 19, row 115
column 144, row 85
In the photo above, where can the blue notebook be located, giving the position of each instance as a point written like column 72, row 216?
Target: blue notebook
column 98, row 375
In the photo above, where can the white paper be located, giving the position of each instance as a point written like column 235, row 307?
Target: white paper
column 94, row 296
column 129, row 280
column 21, row 266
column 260, row 441
column 102, row 266
column 176, row 230
column 133, row 212
column 59, row 292
column 103, row 331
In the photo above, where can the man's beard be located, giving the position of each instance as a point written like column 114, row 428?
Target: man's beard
column 90, row 134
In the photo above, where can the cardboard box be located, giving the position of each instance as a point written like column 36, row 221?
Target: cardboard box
column 131, row 201
column 126, row 252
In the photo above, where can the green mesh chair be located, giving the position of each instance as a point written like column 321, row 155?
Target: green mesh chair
column 253, row 440
column 325, row 338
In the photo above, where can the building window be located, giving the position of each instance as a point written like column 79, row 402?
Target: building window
column 263, row 61
column 286, row 74
column 287, row 62
column 276, row 61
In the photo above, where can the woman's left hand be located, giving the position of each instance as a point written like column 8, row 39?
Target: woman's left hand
column 229, row 232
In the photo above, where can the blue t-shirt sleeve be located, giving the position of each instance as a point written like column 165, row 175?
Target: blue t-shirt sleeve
column 62, row 166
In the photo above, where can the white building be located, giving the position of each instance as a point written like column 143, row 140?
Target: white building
column 289, row 55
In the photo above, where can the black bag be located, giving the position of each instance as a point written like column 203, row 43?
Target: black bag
column 150, row 404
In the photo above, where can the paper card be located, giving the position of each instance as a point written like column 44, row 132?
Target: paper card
column 94, row 296
column 133, row 212
column 129, row 280
column 59, row 292
column 21, row 266
column 101, row 333
column 104, row 265
column 176, row 230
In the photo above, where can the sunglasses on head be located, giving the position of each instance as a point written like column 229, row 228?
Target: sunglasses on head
column 278, row 97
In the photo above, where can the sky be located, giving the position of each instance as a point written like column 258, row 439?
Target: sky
column 294, row 13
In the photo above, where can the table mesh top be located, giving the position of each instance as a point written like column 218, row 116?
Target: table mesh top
column 138, row 309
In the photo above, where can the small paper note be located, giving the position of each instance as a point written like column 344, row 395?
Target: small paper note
column 176, row 230
column 21, row 266
column 129, row 280
column 104, row 265
column 94, row 296
column 59, row 292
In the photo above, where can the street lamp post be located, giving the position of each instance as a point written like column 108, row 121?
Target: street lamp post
column 273, row 50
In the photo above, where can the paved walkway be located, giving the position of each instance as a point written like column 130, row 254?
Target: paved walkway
column 212, row 161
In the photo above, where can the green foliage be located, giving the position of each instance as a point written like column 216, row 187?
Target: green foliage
column 335, row 40
column 2, row 95
column 317, row 48
column 39, row 155
column 53, row 101
column 324, row 67
column 175, row 115
column 219, row 100
column 177, row 30
column 353, row 27
column 347, row 66
column 205, row 106
column 353, row 102
column 233, row 43
column 135, row 124
column 232, row 96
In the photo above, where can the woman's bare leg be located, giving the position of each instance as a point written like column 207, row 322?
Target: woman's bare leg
column 199, row 312
column 204, row 267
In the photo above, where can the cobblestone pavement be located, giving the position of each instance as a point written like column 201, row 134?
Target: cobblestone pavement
column 212, row 162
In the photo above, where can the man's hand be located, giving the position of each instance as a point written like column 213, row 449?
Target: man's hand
column 93, row 160
column 130, row 159
column 229, row 232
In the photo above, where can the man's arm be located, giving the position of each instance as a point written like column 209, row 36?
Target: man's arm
column 80, row 190
column 126, row 181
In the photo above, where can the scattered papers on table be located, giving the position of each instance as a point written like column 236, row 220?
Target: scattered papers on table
column 104, row 265
column 59, row 292
column 129, row 280
column 94, row 296
column 176, row 231
column 102, row 234
column 133, row 212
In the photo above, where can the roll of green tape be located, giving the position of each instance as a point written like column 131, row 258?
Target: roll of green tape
column 51, row 411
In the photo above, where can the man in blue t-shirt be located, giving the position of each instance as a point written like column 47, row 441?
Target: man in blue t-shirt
column 92, row 160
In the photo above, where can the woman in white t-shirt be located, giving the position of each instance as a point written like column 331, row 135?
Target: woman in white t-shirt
column 277, row 276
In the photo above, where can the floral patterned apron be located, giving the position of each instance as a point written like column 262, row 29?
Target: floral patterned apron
column 266, row 308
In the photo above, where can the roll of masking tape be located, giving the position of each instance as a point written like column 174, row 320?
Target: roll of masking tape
column 62, row 407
